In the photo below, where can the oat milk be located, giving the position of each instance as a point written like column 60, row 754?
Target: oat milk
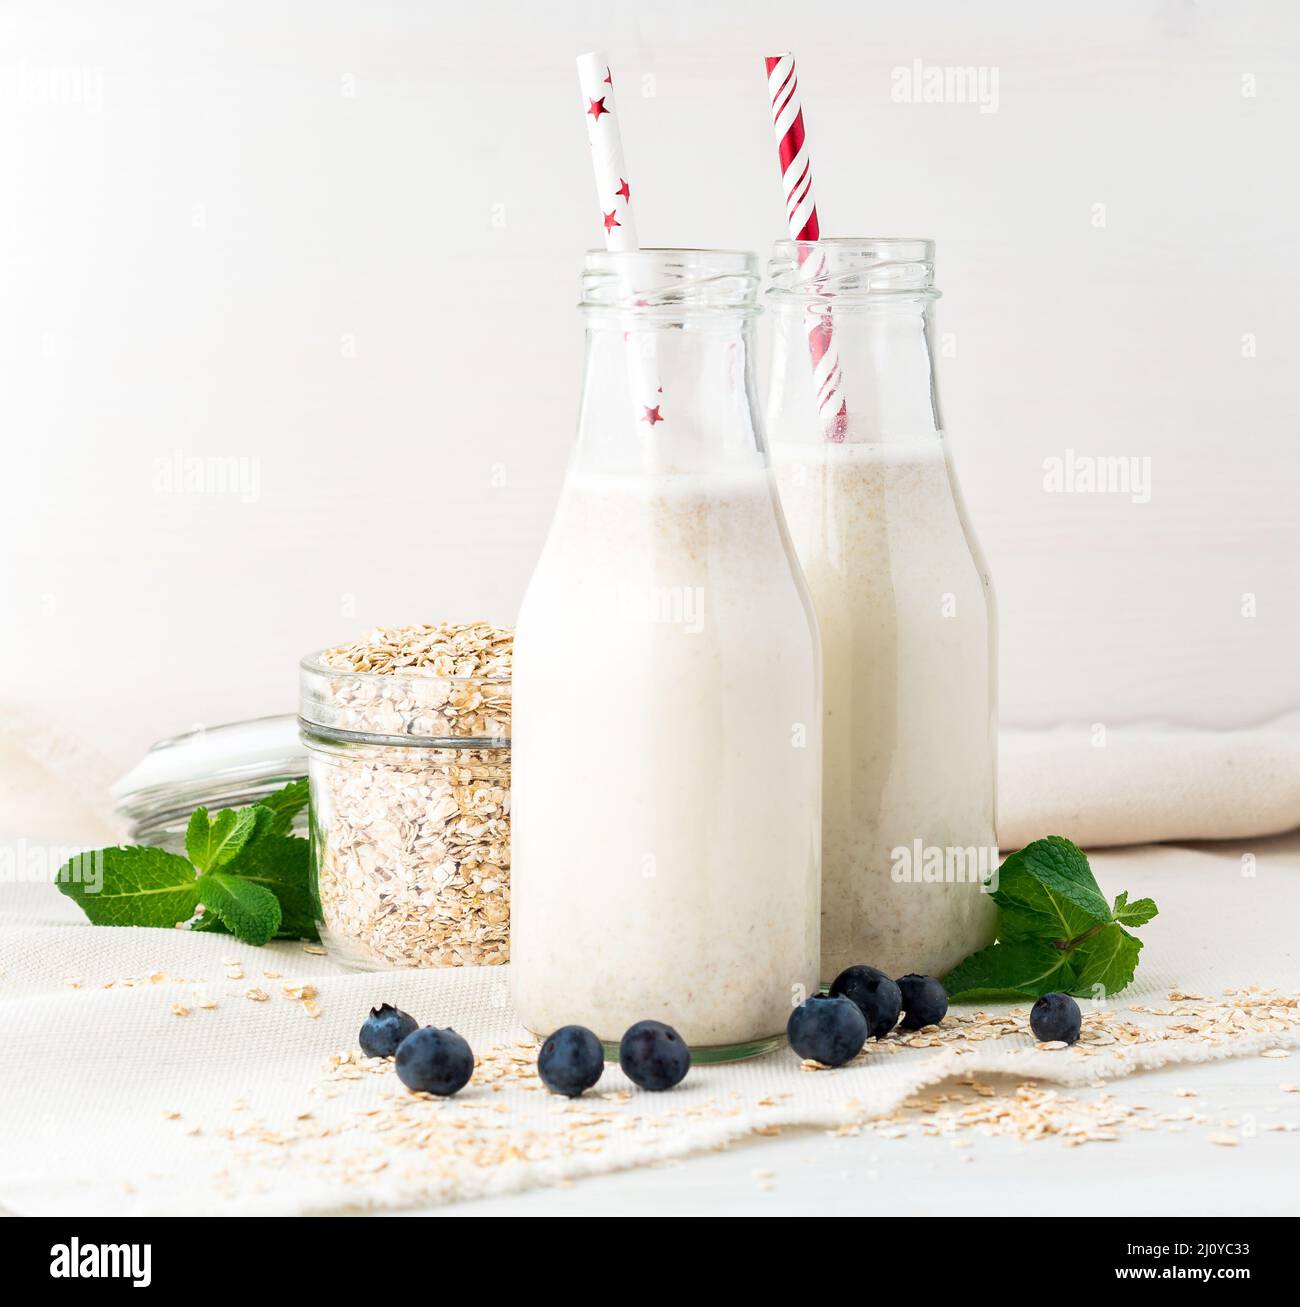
column 666, row 757
column 905, row 612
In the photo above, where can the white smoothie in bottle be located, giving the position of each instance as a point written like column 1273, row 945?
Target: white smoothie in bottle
column 666, row 735
column 905, row 608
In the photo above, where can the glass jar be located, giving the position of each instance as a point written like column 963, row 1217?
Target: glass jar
column 213, row 767
column 904, row 602
column 667, row 712
column 410, row 815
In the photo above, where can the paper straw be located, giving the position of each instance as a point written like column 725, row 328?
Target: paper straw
column 613, row 192
column 614, row 197
column 801, row 216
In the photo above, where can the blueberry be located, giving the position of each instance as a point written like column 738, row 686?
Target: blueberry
column 1056, row 1016
column 570, row 1061
column 925, row 1001
column 829, row 1029
column 877, row 997
column 435, row 1061
column 653, row 1055
column 384, row 1029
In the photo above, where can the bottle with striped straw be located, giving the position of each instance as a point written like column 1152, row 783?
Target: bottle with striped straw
column 666, row 725
column 902, row 593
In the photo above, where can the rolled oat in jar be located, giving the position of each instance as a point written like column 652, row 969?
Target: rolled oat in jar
column 408, row 742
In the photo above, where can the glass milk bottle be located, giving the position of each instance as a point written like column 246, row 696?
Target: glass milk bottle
column 904, row 603
column 667, row 711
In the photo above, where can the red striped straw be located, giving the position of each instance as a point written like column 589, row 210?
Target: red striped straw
column 801, row 214
column 614, row 196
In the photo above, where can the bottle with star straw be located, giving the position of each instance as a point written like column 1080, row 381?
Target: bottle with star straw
column 902, row 593
column 666, row 747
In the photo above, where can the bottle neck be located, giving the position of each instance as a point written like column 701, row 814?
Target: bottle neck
column 668, row 395
column 859, row 373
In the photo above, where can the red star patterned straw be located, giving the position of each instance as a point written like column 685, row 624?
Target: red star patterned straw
column 801, row 215
column 613, row 193
column 614, row 197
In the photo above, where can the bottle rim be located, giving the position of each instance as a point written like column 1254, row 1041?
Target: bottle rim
column 672, row 282
column 852, row 270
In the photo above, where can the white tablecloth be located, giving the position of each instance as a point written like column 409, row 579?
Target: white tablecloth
column 114, row 1104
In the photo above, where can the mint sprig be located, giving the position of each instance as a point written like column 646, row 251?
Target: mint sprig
column 249, row 874
column 212, row 844
column 1056, row 931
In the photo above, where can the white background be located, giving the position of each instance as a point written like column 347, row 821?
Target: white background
column 343, row 239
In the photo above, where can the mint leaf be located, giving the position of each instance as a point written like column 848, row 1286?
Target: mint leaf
column 1105, row 962
column 250, row 912
column 131, row 886
column 1055, row 931
column 1010, row 971
column 1047, row 890
column 1137, row 913
column 212, row 844
column 282, row 864
column 275, row 813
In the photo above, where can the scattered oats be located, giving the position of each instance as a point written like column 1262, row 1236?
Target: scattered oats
column 272, row 975
column 157, row 977
column 311, row 1009
column 207, row 1003
column 171, row 1116
column 433, row 1144
column 257, row 995
column 314, row 949
column 1287, row 1087
column 1275, row 1052
column 1052, row 1045
column 180, row 1010
column 234, row 971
